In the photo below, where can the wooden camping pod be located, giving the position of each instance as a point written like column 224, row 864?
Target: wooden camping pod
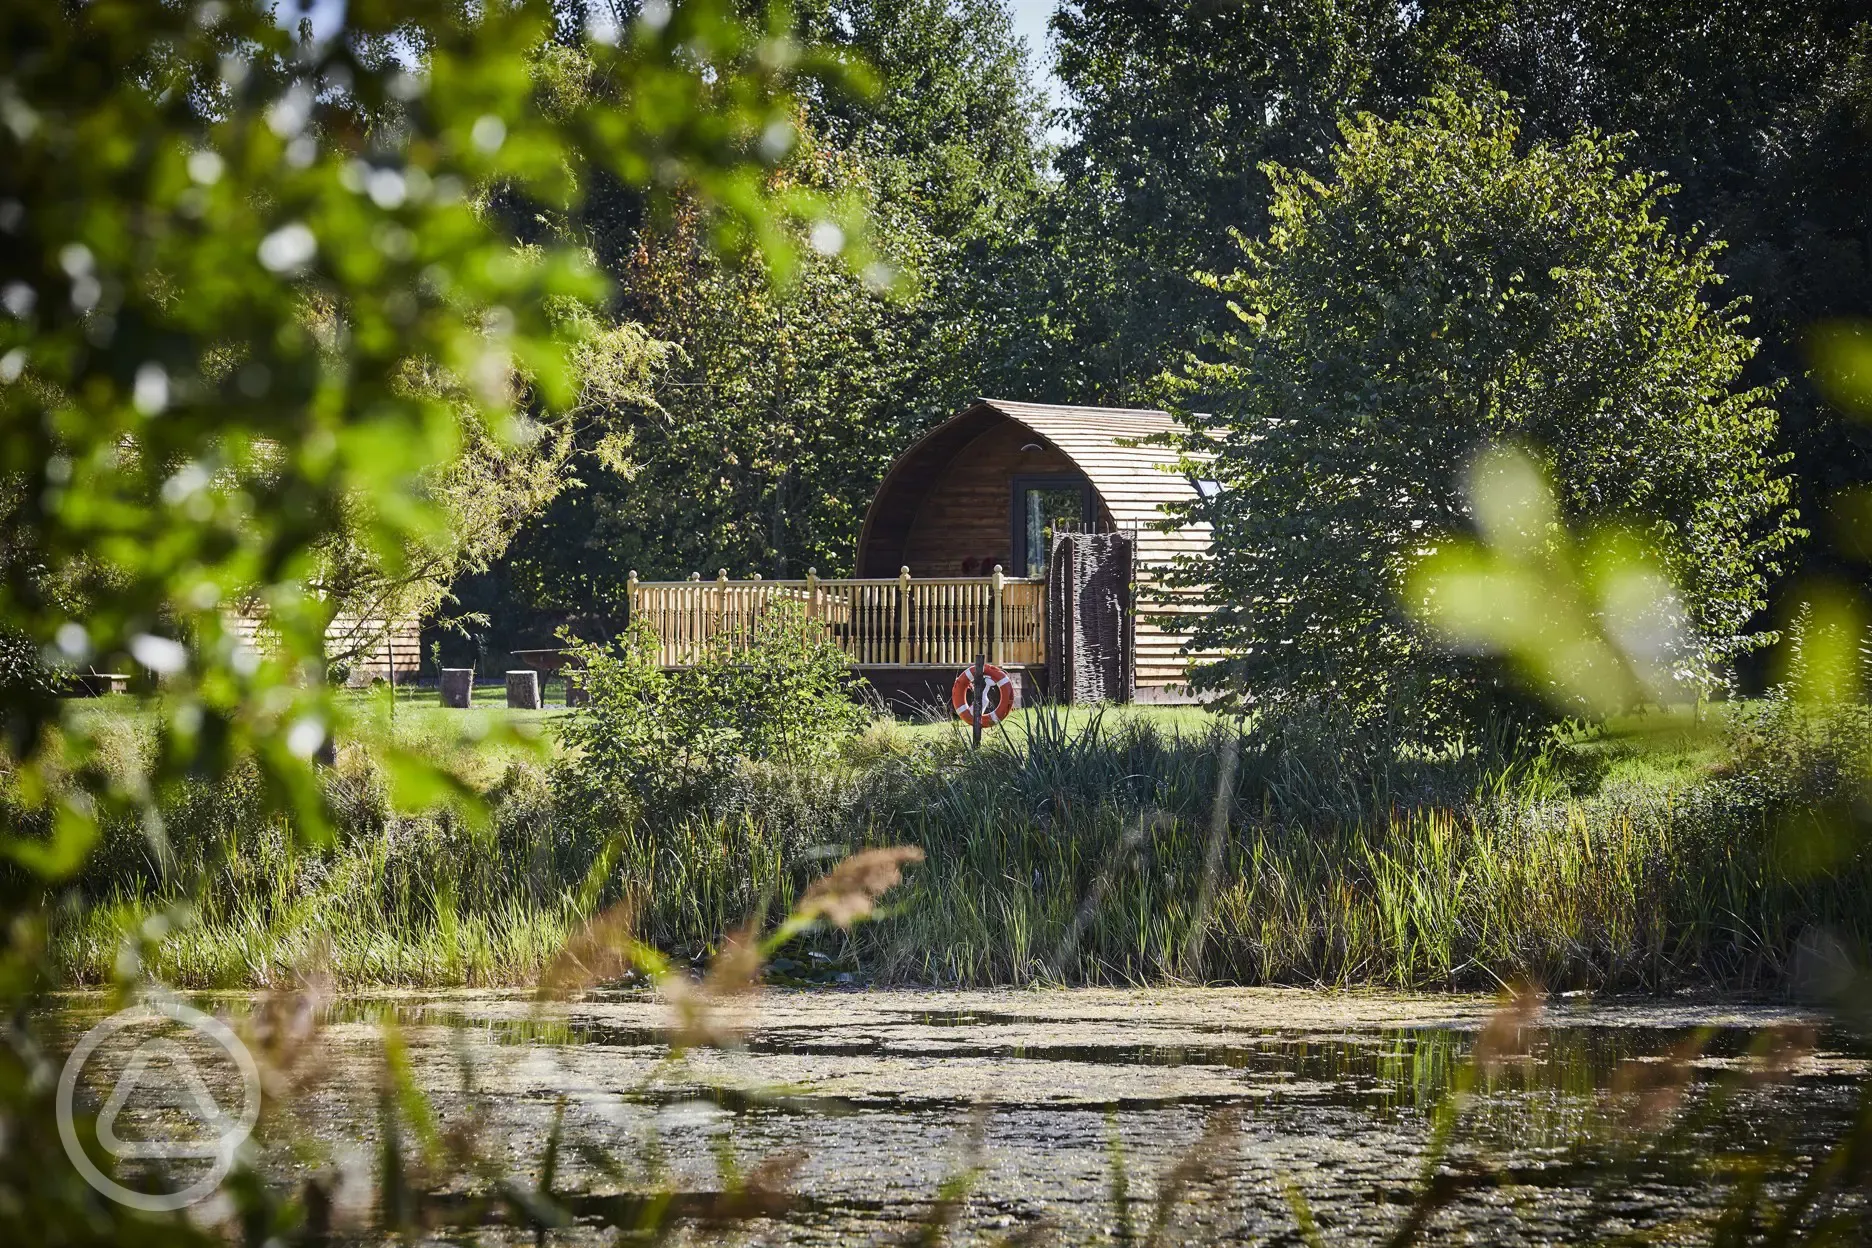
column 947, row 505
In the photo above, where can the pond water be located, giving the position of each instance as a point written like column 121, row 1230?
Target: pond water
column 1068, row 1114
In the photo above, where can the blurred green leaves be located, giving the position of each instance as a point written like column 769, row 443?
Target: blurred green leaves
column 1825, row 660
column 251, row 280
column 1842, row 358
column 1591, row 621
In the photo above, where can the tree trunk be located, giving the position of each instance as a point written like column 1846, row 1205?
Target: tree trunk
column 523, row 690
column 457, row 686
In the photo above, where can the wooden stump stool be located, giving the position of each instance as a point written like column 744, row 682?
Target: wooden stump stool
column 457, row 686
column 523, row 690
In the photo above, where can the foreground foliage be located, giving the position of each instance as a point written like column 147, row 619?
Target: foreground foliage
column 253, row 302
column 260, row 333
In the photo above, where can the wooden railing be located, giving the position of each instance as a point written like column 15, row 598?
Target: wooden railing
column 903, row 621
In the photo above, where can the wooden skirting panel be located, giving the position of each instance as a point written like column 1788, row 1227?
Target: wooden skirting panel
column 925, row 691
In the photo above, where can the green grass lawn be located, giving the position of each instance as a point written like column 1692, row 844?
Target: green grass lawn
column 421, row 721
column 420, row 708
column 1662, row 749
column 1666, row 749
column 477, row 743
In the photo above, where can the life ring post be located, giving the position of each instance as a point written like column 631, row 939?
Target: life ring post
column 982, row 695
column 975, row 696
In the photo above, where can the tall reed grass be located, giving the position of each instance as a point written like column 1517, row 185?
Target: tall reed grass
column 1100, row 852
column 1105, row 858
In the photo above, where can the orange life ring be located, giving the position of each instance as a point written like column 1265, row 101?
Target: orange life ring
column 997, row 694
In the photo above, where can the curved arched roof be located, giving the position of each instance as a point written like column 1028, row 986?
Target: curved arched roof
column 1132, row 482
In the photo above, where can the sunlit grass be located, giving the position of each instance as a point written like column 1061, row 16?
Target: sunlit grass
column 1076, row 849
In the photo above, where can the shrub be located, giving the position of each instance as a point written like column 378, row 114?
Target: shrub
column 656, row 742
column 785, row 695
column 622, row 750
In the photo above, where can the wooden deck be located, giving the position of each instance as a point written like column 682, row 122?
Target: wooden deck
column 896, row 622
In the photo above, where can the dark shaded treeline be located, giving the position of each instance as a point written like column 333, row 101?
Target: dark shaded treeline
column 1067, row 274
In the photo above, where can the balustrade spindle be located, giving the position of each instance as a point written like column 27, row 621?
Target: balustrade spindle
column 932, row 622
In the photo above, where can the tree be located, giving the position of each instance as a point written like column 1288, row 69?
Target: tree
column 764, row 430
column 1760, row 111
column 952, row 141
column 489, row 489
column 1173, row 109
column 1444, row 290
column 785, row 400
column 771, row 423
column 952, row 126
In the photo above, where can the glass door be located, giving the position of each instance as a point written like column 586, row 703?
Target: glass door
column 1042, row 504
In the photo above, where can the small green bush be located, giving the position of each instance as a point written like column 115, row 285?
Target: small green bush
column 785, row 695
column 656, row 742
